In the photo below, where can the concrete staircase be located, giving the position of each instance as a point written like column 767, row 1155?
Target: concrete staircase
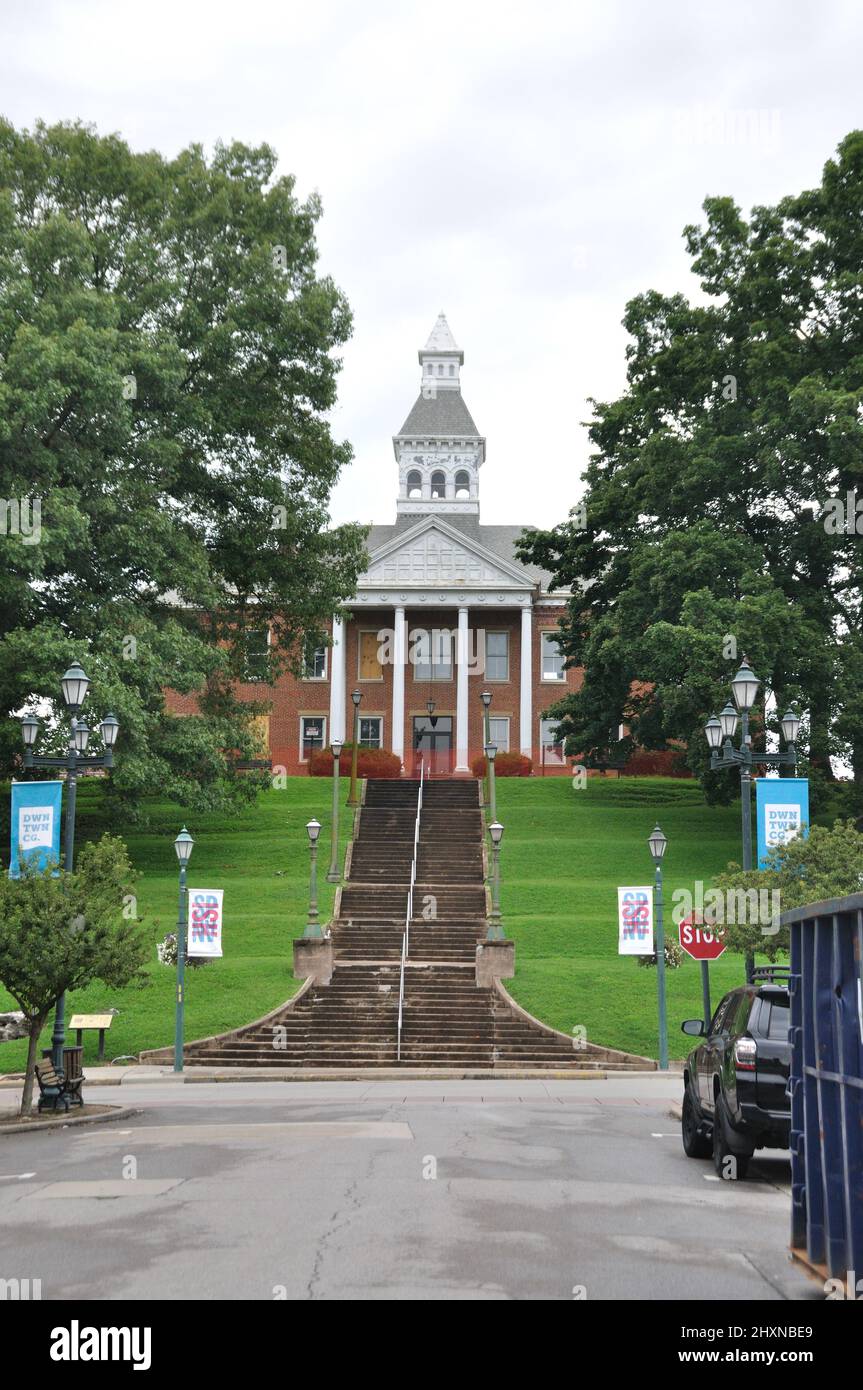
column 449, row 1022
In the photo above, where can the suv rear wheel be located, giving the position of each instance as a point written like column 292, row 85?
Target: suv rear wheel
column 728, row 1164
column 695, row 1145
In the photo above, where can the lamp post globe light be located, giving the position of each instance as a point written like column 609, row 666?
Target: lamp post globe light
column 720, row 733
column 495, row 924
column 333, row 875
column 356, row 697
column 183, row 846
column 313, row 928
column 485, row 697
column 657, row 844
column 74, row 684
column 490, row 755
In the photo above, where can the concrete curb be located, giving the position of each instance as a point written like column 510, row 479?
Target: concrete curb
column 122, row 1112
column 676, row 1111
column 201, row 1077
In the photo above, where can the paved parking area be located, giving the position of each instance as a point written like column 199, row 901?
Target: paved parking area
column 374, row 1190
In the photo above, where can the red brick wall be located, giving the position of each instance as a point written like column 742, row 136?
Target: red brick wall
column 292, row 698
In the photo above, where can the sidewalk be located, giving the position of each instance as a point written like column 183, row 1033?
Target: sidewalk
column 142, row 1075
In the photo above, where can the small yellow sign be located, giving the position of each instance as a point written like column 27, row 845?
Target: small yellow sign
column 91, row 1020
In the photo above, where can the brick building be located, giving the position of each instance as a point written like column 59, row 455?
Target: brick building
column 443, row 611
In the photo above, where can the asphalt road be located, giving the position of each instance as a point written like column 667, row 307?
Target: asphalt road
column 420, row 1190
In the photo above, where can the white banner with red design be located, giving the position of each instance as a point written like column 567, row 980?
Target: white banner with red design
column 635, row 921
column 205, row 922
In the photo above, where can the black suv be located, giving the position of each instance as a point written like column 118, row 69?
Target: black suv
column 734, row 1099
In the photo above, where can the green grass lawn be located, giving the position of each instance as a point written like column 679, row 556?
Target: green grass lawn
column 261, row 859
column 564, row 854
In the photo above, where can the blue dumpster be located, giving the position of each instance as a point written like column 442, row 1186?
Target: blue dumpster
column 826, row 1087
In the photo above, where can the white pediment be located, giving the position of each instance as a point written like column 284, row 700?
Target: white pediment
column 436, row 554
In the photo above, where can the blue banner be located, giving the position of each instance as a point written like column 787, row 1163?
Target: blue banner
column 35, row 824
column 782, row 812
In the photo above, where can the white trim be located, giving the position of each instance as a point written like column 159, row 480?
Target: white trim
column 399, row 683
column 525, row 720
column 462, row 658
column 436, row 523
column 337, row 682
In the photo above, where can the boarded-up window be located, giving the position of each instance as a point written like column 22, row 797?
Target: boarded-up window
column 370, row 666
column 260, row 730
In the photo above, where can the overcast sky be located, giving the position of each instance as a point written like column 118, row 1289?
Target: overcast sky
column 526, row 168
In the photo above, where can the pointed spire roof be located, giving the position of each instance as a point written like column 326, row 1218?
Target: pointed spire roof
column 440, row 340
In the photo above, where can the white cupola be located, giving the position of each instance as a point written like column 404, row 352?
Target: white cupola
column 438, row 449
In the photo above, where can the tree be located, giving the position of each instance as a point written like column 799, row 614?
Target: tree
column 168, row 356
column 828, row 864
column 707, row 530
column 61, row 932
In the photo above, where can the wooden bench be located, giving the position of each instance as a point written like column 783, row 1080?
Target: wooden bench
column 55, row 1090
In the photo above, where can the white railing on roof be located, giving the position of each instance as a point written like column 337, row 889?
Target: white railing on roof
column 409, row 912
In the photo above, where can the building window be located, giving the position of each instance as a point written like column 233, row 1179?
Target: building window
column 257, row 653
column 431, row 653
column 462, row 485
column 499, row 734
column 371, row 731
column 440, row 368
column 315, row 663
column 552, row 658
column 497, row 656
column 313, row 734
column 551, row 747
column 451, row 369
column 438, row 485
column 414, row 484
column 370, row 668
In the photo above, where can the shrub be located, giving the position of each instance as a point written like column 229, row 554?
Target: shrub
column 505, row 765
column 665, row 762
column 371, row 762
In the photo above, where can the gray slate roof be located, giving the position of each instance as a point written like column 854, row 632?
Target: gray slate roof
column 444, row 414
column 500, row 540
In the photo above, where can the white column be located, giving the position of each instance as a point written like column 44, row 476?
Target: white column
column 337, row 682
column 461, row 708
column 398, row 726
column 526, row 708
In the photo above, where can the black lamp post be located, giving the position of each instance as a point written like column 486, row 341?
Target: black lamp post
column 495, row 926
column 333, row 875
column 313, row 928
column 657, row 843
column 485, row 696
column 353, row 799
column 720, row 732
column 490, row 755
column 75, row 685
column 183, row 846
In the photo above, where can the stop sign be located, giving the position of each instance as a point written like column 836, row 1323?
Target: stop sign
column 699, row 941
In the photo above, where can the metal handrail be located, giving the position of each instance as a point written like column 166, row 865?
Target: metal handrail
column 409, row 912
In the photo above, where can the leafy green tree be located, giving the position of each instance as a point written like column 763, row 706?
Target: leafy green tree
column 828, row 864
column 61, row 933
column 708, row 529
column 168, row 356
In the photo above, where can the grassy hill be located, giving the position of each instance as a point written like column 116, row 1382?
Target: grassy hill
column 564, row 853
